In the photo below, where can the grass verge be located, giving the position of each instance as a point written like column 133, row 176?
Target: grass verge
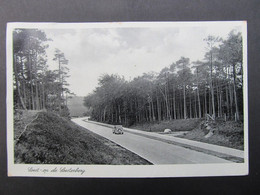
column 229, row 134
column 174, row 125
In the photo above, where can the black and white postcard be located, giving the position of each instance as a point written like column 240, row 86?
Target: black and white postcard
column 130, row 99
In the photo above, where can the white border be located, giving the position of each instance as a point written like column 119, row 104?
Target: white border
column 190, row 170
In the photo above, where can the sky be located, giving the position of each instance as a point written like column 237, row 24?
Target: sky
column 127, row 51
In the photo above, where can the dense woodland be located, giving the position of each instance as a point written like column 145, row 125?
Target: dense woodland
column 36, row 87
column 210, row 88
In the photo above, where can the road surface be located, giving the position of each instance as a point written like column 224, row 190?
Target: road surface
column 157, row 152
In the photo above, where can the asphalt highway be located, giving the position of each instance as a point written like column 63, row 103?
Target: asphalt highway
column 157, row 152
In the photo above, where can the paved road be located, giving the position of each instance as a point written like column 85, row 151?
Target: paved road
column 157, row 152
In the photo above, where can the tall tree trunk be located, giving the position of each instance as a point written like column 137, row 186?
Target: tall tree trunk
column 167, row 113
column 184, row 102
column 60, row 85
column 170, row 107
column 43, row 97
column 137, row 111
column 213, row 101
column 37, row 103
column 112, row 117
column 198, row 93
column 227, row 91
column 206, row 107
column 18, row 85
column 104, row 114
column 174, row 106
column 150, row 111
column 158, row 108
column 210, row 105
column 119, row 114
column 153, row 111
column 167, row 104
column 227, row 101
column 31, row 82
column 190, row 105
column 37, row 96
column 181, row 108
column 235, row 93
column 211, row 86
column 218, row 102
column 231, row 99
column 125, row 119
column 24, row 94
column 195, row 106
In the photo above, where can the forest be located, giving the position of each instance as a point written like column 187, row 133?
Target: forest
column 210, row 88
column 36, row 86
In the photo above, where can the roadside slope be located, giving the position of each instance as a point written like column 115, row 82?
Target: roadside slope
column 228, row 134
column 53, row 140
column 222, row 133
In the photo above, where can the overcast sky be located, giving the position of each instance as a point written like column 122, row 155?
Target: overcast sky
column 129, row 52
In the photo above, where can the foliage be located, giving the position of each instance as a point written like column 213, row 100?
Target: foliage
column 35, row 86
column 51, row 139
column 183, row 90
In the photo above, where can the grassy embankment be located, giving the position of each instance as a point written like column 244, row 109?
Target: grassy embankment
column 174, row 125
column 229, row 134
column 49, row 139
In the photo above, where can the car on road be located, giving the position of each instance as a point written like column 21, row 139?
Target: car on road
column 118, row 129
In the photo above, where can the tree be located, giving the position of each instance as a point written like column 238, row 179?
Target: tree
column 62, row 75
column 197, row 66
column 176, row 92
column 164, row 80
column 29, row 64
column 36, row 87
column 211, row 43
column 184, row 74
column 231, row 54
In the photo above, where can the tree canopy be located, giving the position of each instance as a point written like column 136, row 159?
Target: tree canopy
column 182, row 90
column 35, row 86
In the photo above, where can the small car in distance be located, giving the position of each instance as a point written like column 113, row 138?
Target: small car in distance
column 118, row 129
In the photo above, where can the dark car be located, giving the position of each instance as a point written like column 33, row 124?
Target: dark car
column 118, row 129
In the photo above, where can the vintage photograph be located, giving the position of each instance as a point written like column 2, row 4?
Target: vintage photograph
column 141, row 99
